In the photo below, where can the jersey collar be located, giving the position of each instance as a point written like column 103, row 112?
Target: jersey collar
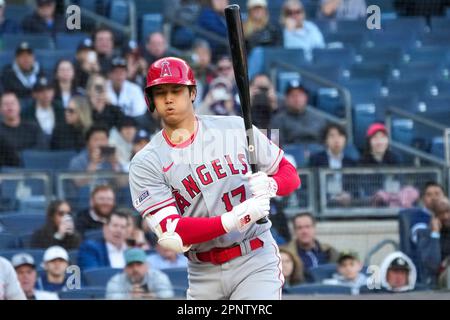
column 186, row 143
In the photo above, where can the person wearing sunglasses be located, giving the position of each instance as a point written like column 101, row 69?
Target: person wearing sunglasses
column 59, row 229
column 299, row 33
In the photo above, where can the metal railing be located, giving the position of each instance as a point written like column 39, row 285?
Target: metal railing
column 343, row 92
column 299, row 201
column 391, row 112
column 375, row 191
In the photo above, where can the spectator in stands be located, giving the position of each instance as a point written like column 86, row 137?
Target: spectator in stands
column 139, row 280
column 433, row 243
column 109, row 251
column 219, row 100
column 25, row 268
column 186, row 11
column 342, row 9
column 156, row 47
column 44, row 19
column 101, row 205
column 103, row 39
column 334, row 138
column 165, row 258
column 135, row 235
column 122, row 139
column 348, row 272
column 212, row 19
column 59, row 229
column 291, row 268
column 56, row 261
column 123, row 93
column 7, row 25
column 17, row 134
column 137, row 65
column 65, row 82
column 377, row 152
column 297, row 122
column 311, row 252
column 22, row 74
column 103, row 112
column 224, row 68
column 70, row 134
column 86, row 62
column 9, row 284
column 258, row 30
column 141, row 139
column 44, row 111
column 203, row 68
column 398, row 273
column 263, row 99
column 299, row 32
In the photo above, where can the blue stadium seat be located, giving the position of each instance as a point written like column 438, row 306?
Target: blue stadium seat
column 150, row 22
column 371, row 70
column 438, row 147
column 383, row 39
column 302, row 151
column 17, row 12
column 37, row 254
column 405, row 102
column 329, row 100
column 415, row 70
column 443, row 87
column 36, row 41
column 99, row 277
column 49, row 58
column 329, row 72
column 87, row 293
column 24, row 240
column 69, row 41
column 416, row 25
column 403, row 131
column 421, row 87
column 440, row 24
column 346, row 40
column 7, row 241
column 293, row 57
column 98, row 6
column 363, row 116
column 47, row 160
column 73, row 256
column 21, row 223
column 382, row 55
column 6, row 58
column 150, row 6
column 179, row 279
column 351, row 26
column 363, row 90
column 322, row 272
column 317, row 289
column 284, row 78
column 119, row 11
column 433, row 54
column 339, row 56
column 435, row 38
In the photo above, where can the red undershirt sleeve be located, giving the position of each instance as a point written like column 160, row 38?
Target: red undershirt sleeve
column 287, row 178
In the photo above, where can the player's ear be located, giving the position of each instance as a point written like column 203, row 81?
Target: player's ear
column 193, row 93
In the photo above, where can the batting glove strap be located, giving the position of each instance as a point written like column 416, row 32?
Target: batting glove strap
column 245, row 214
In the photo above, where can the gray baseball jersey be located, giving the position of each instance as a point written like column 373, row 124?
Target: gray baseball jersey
column 204, row 177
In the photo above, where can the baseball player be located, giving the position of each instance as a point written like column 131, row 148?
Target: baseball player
column 193, row 186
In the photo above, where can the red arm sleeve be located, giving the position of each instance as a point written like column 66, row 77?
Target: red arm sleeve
column 287, row 178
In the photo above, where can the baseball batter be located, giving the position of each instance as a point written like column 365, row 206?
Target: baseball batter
column 193, row 185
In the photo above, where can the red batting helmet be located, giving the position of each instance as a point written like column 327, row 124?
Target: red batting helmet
column 167, row 70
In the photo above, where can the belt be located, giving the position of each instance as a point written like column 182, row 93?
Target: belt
column 221, row 255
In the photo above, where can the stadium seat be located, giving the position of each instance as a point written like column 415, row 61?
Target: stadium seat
column 37, row 254
column 440, row 24
column 422, row 87
column 69, row 41
column 345, row 40
column 21, row 223
column 416, row 70
column 150, row 22
column 329, row 100
column 383, row 39
column 294, row 57
column 7, row 241
column 36, row 41
column 351, row 26
column 119, row 11
column 302, row 151
column 99, row 277
column 363, row 116
column 322, row 272
column 403, row 131
column 406, row 25
column 179, row 279
column 340, row 56
column 363, row 90
column 47, row 160
column 49, row 58
column 435, row 38
column 87, row 293
column 430, row 54
column 443, row 87
column 382, row 55
column 438, row 147
column 73, row 256
column 24, row 240
column 150, row 6
column 317, row 289
column 284, row 78
column 6, row 58
column 371, row 70
column 17, row 12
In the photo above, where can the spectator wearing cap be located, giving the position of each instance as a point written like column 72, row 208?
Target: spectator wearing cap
column 103, row 112
column 70, row 133
column 9, row 284
column 25, row 268
column 123, row 93
column 59, row 229
column 307, row 247
column 108, row 251
column 398, row 273
column 16, row 133
column 44, row 111
column 156, row 47
column 348, row 272
column 377, row 152
column 122, row 138
column 298, row 123
column 433, row 243
column 7, row 25
column 22, row 74
column 219, row 100
column 139, row 280
column 342, row 9
column 165, row 258
column 44, row 19
column 299, row 33
column 55, row 261
column 258, row 30
column 65, row 83
column 141, row 139
column 103, row 43
column 136, row 64
column 86, row 62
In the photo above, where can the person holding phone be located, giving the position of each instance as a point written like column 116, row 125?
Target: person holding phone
column 59, row 229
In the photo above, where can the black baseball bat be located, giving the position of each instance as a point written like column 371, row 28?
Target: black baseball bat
column 239, row 57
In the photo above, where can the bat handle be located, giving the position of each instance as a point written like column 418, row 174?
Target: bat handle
column 254, row 170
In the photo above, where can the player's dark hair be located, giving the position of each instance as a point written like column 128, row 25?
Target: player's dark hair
column 304, row 214
column 52, row 209
column 94, row 129
column 102, row 29
column 331, row 126
column 118, row 213
column 430, row 184
column 7, row 92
